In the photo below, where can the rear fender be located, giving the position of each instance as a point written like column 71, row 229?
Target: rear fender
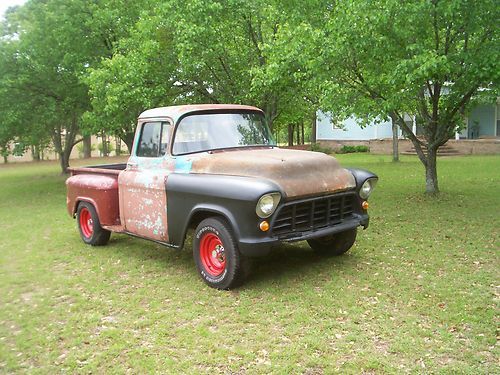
column 99, row 190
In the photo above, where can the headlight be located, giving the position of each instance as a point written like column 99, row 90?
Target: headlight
column 367, row 188
column 267, row 204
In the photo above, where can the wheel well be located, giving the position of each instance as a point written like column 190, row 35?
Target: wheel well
column 75, row 209
column 80, row 201
column 199, row 216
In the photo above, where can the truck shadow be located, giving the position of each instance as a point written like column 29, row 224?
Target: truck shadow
column 288, row 263
column 285, row 265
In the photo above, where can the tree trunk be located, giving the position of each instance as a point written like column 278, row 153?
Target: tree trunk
column 58, row 146
column 313, row 128
column 290, row 134
column 104, row 146
column 64, row 162
column 298, row 133
column 118, row 149
column 87, row 147
column 35, row 153
column 395, row 143
column 431, row 179
column 128, row 139
column 270, row 111
column 64, row 145
column 4, row 151
column 303, row 131
column 395, row 139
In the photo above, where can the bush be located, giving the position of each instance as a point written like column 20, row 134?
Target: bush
column 110, row 145
column 352, row 149
column 318, row 148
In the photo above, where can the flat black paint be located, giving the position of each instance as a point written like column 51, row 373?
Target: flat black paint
column 235, row 199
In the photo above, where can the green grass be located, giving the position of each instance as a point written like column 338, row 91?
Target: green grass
column 418, row 293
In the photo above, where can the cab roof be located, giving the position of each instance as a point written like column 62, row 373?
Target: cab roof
column 175, row 112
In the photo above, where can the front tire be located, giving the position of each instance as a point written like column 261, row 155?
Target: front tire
column 216, row 255
column 90, row 227
column 336, row 244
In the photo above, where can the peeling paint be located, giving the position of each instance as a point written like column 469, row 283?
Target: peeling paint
column 142, row 192
column 183, row 164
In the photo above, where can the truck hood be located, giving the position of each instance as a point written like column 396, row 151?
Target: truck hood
column 298, row 173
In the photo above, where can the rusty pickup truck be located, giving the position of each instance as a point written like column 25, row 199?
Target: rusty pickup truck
column 215, row 169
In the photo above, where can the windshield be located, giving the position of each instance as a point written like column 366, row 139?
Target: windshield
column 204, row 132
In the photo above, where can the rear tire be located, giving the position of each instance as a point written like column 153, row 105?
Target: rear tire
column 90, row 227
column 336, row 244
column 216, row 255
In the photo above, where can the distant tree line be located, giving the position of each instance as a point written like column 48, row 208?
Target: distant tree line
column 70, row 69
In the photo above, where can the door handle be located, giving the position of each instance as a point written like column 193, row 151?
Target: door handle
column 132, row 165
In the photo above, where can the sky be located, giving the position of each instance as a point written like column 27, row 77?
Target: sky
column 4, row 4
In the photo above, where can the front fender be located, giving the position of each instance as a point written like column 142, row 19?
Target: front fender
column 361, row 175
column 233, row 197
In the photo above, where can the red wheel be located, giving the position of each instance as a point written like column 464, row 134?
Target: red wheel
column 89, row 225
column 86, row 223
column 216, row 254
column 212, row 254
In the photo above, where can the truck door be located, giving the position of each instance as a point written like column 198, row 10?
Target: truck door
column 143, row 201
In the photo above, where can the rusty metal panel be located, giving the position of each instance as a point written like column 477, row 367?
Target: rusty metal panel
column 299, row 173
column 143, row 199
column 100, row 190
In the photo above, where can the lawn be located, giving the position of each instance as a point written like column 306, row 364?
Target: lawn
column 418, row 293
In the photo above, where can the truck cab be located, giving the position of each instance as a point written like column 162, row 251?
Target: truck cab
column 216, row 169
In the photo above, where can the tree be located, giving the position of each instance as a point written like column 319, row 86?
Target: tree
column 138, row 76
column 196, row 51
column 429, row 58
column 46, row 48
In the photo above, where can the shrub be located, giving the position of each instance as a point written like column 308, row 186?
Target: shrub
column 318, row 148
column 352, row 149
column 110, row 145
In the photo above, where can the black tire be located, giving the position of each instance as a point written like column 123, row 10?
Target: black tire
column 89, row 225
column 216, row 255
column 336, row 244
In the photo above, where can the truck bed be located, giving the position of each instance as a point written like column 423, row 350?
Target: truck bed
column 105, row 169
column 97, row 185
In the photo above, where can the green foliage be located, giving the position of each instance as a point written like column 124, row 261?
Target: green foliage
column 109, row 148
column 80, row 68
column 346, row 149
column 4, row 152
column 381, row 59
column 19, row 149
column 216, row 53
column 46, row 48
column 318, row 148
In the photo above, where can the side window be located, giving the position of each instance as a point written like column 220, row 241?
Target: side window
column 153, row 141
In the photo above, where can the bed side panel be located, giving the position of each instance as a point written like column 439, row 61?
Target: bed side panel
column 100, row 190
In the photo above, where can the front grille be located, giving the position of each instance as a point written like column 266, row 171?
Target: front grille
column 313, row 214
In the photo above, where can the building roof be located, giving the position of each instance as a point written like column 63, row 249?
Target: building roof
column 175, row 112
